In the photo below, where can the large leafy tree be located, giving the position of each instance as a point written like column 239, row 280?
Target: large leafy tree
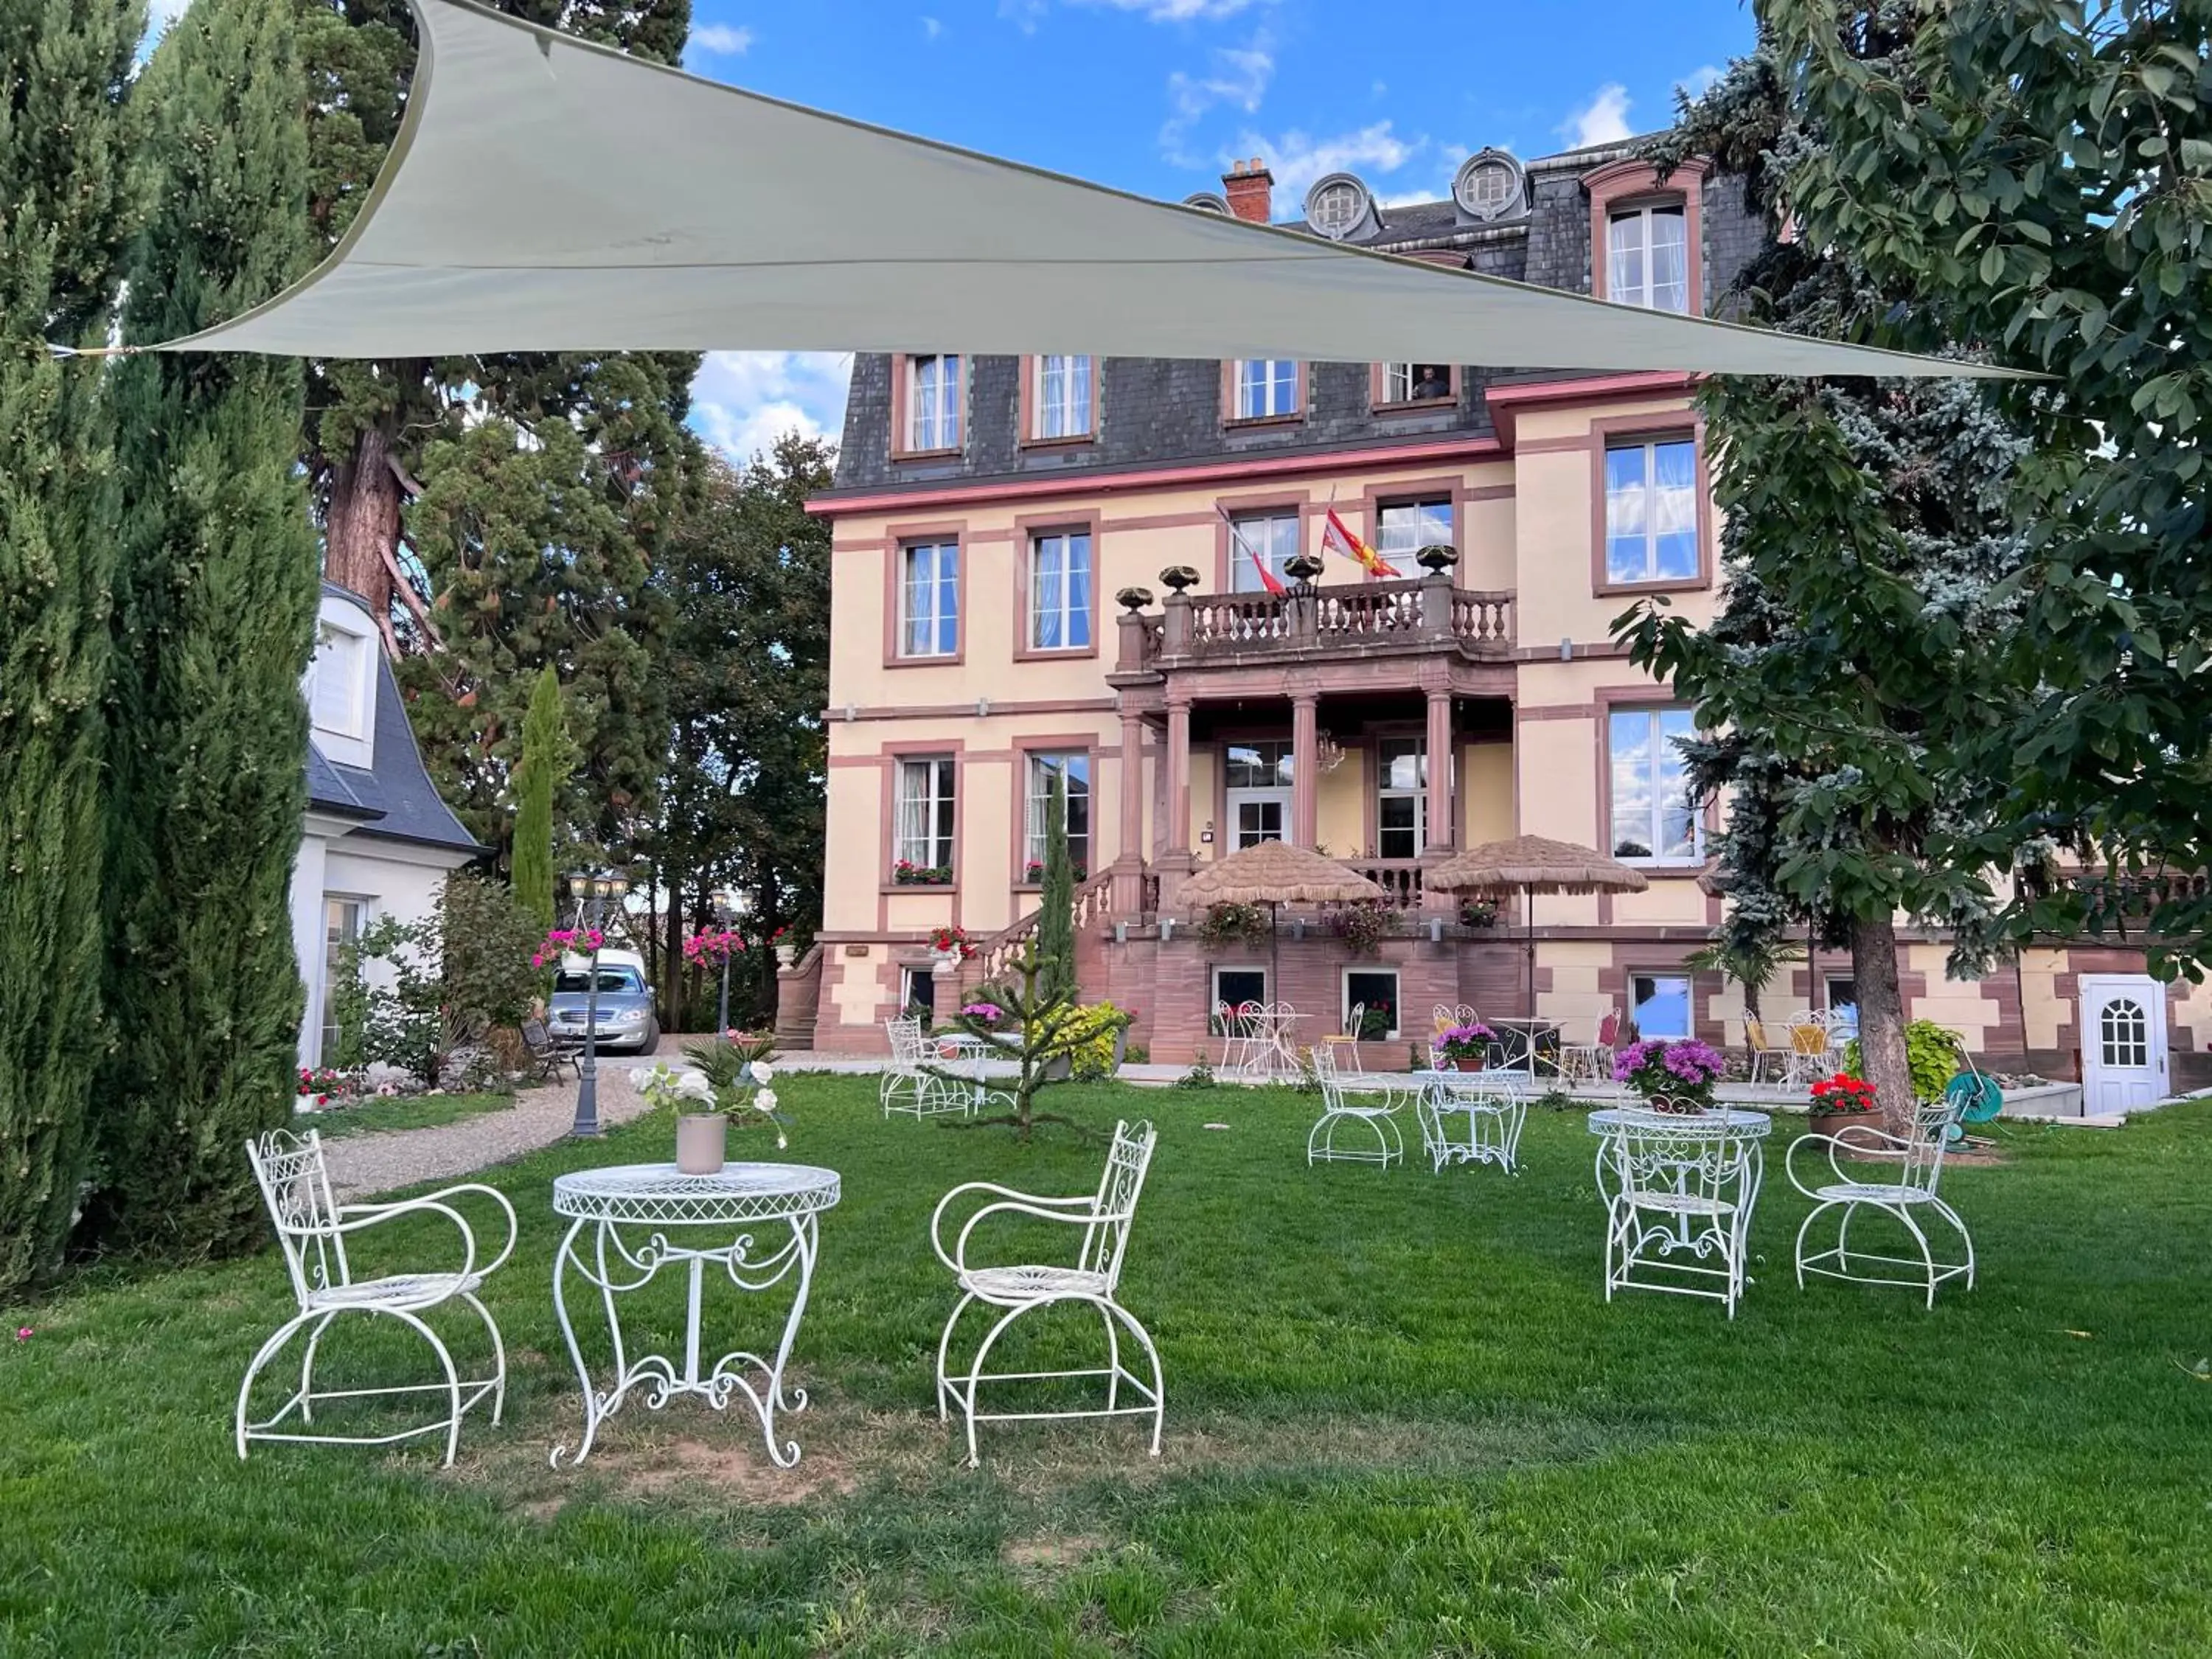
column 2038, row 174
column 746, row 580
column 1856, row 667
column 215, row 592
column 64, row 220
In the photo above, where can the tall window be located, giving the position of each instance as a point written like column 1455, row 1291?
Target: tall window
column 1651, row 511
column 1403, row 528
column 1416, row 383
column 1401, row 799
column 933, row 403
column 1653, row 817
column 1073, row 772
column 1257, row 539
column 1265, row 386
column 336, row 700
column 925, row 813
column 1660, row 1005
column 1059, row 591
column 341, row 928
column 1648, row 258
column 929, row 600
column 1060, row 398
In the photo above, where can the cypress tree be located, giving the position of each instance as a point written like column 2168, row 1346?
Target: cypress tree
column 216, row 598
column 64, row 221
column 544, row 740
column 1056, row 911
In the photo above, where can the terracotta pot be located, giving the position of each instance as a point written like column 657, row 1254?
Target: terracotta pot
column 1834, row 1123
column 1465, row 1064
column 701, row 1143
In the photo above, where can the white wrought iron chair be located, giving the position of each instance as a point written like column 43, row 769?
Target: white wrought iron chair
column 313, row 1230
column 1813, row 1051
column 1106, row 1219
column 1348, row 1041
column 1370, row 1101
column 1908, row 1193
column 1495, row 1103
column 910, row 1085
column 1592, row 1062
column 1242, row 1033
column 1679, row 1194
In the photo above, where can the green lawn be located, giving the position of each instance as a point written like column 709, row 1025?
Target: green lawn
column 1400, row 1421
column 372, row 1115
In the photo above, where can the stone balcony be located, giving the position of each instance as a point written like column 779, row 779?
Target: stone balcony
column 1412, row 617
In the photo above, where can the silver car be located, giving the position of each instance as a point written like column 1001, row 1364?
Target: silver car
column 628, row 1022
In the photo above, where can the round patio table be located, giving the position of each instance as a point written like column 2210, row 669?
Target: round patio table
column 1699, row 1173
column 1530, row 1033
column 631, row 1211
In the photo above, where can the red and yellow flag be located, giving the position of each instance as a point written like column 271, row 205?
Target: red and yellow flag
column 1335, row 538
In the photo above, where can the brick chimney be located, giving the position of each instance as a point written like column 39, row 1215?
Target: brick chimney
column 1251, row 191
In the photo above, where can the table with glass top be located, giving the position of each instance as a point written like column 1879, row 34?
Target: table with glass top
column 755, row 1222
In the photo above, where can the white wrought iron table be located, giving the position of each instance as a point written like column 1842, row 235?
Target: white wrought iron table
column 1679, row 1186
column 1492, row 1105
column 653, row 1199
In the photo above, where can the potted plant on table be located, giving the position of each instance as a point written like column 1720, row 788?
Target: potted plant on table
column 729, row 1077
column 1465, row 1048
column 1675, row 1077
column 1841, row 1101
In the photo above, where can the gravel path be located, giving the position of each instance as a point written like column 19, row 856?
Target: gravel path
column 362, row 1164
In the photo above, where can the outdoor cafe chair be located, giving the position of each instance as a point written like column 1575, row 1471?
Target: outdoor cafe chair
column 1592, row 1062
column 1906, row 1194
column 1093, row 1278
column 1369, row 1102
column 311, row 1230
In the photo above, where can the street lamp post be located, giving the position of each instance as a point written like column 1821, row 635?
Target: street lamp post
column 592, row 893
column 726, row 912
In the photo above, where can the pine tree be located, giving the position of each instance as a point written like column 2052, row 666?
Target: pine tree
column 1056, row 900
column 64, row 219
column 544, row 746
column 216, row 600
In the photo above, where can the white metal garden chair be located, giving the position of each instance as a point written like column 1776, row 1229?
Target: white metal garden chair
column 1243, row 1033
column 1907, row 1194
column 1368, row 1101
column 1679, row 1194
column 1105, row 1217
column 1495, row 1104
column 1592, row 1062
column 909, row 1085
column 1348, row 1041
column 312, row 1230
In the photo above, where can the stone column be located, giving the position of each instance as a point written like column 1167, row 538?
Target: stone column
column 1440, row 836
column 1175, row 863
column 1129, row 860
column 1305, row 778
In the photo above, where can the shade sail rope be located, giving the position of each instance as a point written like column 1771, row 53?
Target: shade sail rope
column 548, row 194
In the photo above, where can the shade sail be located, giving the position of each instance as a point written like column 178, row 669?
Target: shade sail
column 1276, row 872
column 549, row 194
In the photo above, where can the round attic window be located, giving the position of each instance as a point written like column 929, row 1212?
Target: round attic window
column 1488, row 185
column 1206, row 201
column 1337, row 206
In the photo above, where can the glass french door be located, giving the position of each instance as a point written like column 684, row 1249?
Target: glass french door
column 1258, row 815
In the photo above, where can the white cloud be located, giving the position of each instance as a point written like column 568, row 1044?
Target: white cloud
column 1603, row 120
column 723, row 39
column 1698, row 82
column 1026, row 14
column 1296, row 159
column 930, row 28
column 1239, row 79
column 743, row 401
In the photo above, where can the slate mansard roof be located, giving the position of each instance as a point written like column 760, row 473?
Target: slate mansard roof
column 395, row 799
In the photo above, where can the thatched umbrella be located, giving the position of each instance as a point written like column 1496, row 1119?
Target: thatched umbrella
column 1272, row 872
column 1533, row 865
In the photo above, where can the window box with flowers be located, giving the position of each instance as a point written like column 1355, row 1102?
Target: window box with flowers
column 1033, row 873
column 907, row 873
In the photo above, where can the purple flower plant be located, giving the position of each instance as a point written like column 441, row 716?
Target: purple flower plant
column 1657, row 1068
column 983, row 1011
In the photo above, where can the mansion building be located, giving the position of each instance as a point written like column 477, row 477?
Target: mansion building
column 1075, row 570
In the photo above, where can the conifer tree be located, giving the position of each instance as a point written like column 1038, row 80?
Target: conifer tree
column 216, row 598
column 1056, row 902
column 65, row 213
column 544, row 744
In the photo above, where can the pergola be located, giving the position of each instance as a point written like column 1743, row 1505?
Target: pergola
column 545, row 194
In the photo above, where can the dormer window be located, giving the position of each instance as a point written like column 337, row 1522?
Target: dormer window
column 1338, row 207
column 1647, row 257
column 1061, row 391
column 1403, row 384
column 1263, row 389
column 931, row 416
column 338, row 697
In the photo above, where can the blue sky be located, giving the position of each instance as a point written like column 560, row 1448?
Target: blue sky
column 1157, row 95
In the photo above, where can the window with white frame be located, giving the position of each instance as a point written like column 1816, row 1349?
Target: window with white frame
column 1060, row 397
column 1403, row 528
column 341, row 932
column 1059, row 591
column 1416, row 383
column 1257, row 541
column 924, row 815
column 929, row 600
column 1654, row 821
column 1660, row 1005
column 1402, row 797
column 338, row 700
column 1647, row 257
column 1265, row 386
column 1073, row 773
column 933, row 402
column 1651, row 511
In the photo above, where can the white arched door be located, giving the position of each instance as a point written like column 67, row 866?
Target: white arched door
column 2122, row 1042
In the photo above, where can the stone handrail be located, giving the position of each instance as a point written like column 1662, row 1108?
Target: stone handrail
column 996, row 956
column 1406, row 610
